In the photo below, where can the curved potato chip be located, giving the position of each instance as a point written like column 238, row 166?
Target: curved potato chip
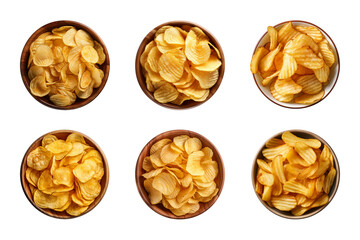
column 322, row 74
column 288, row 68
column 171, row 65
column 75, row 137
column 90, row 189
column 100, row 51
column 255, row 60
column 64, row 176
column 172, row 35
column 76, row 210
column 265, row 178
column 206, row 79
column 86, row 170
column 307, row 58
column 273, row 35
column 197, row 48
column 35, row 71
column 212, row 64
column 268, row 60
column 310, row 84
column 61, row 31
column 306, row 152
column 164, row 183
column 312, row 31
column 39, row 158
column 286, row 33
column 84, row 94
column 301, row 40
column 168, row 155
column 43, row 56
column 327, row 53
column 193, row 165
column 291, row 139
column 192, row 144
column 166, row 93
column 59, row 146
column 310, row 98
column 38, row 86
column 89, row 54
column 284, row 202
column 153, row 59
column 82, row 38
column 32, row 176
column 287, row 86
column 155, row 196
column 43, row 200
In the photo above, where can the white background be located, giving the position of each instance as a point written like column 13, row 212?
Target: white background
column 238, row 119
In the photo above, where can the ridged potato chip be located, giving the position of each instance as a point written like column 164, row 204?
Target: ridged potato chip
column 300, row 51
column 68, row 168
column 298, row 181
column 185, row 59
column 186, row 178
column 58, row 62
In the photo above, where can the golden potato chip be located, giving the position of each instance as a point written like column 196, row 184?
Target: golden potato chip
column 286, row 33
column 38, row 86
column 294, row 158
column 329, row 180
column 311, row 31
column 291, row 140
column 306, row 152
column 322, row 74
column 39, row 158
column 76, row 210
column 296, row 187
column 43, row 200
column 268, row 60
column 172, row 35
column 310, row 84
column 265, row 178
column 273, row 34
column 171, row 65
column 288, row 68
column 278, row 168
column 206, row 79
column 300, row 41
column 197, row 49
column 90, row 189
column 64, row 176
column 212, row 64
column 307, row 58
column 266, row 196
column 310, row 98
column 287, row 86
column 264, row 165
column 271, row 153
column 284, row 202
column 192, row 145
column 258, row 55
column 327, row 53
column 82, row 38
column 86, row 170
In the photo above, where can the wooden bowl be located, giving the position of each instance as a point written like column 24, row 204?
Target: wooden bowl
column 62, row 134
column 313, row 211
column 105, row 67
column 141, row 78
column 334, row 71
column 158, row 208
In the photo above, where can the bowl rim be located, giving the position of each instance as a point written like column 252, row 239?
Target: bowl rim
column 336, row 77
column 104, row 180
column 141, row 79
column 332, row 192
column 139, row 181
column 25, row 56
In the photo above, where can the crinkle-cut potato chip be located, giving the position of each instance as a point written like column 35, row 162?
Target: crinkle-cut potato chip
column 183, row 58
column 299, row 180
column 300, row 51
column 65, row 173
column 57, row 62
column 184, row 178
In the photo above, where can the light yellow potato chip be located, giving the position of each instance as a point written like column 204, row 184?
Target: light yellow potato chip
column 43, row 56
column 90, row 189
column 82, row 38
column 193, row 165
column 329, row 180
column 155, row 196
column 278, row 96
column 291, row 139
column 164, row 183
column 300, row 41
column 197, row 48
column 89, row 54
column 153, row 59
column 172, row 35
column 166, row 93
column 86, row 170
column 171, row 65
column 206, row 79
column 38, row 86
column 273, row 35
column 271, row 153
column 192, row 144
column 212, row 64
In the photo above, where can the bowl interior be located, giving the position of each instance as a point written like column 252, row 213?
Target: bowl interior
column 105, row 67
column 310, row 212
column 62, row 134
column 141, row 78
column 334, row 71
column 158, row 208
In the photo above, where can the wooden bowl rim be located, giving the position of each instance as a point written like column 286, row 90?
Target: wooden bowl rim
column 141, row 79
column 25, row 56
column 334, row 188
column 335, row 78
column 61, row 215
column 158, row 208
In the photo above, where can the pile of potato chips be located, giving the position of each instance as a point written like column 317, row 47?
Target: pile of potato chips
column 180, row 64
column 64, row 64
column 295, row 64
column 64, row 175
column 296, row 175
column 180, row 174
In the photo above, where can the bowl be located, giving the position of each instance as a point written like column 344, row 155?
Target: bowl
column 158, row 208
column 62, row 134
column 313, row 211
column 141, row 78
column 334, row 70
column 105, row 67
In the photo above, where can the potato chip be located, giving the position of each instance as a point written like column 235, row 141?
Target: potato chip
column 327, row 53
column 50, row 201
column 288, row 68
column 268, row 60
column 38, row 86
column 278, row 96
column 193, row 165
column 290, row 139
column 284, row 202
column 265, row 178
column 212, row 64
column 310, row 84
column 164, row 183
column 89, row 54
column 311, row 31
column 258, row 55
column 322, row 74
column 39, row 158
column 307, row 58
column 166, row 93
column 197, row 49
column 192, row 145
column 63, row 176
column 310, row 98
column 286, row 33
column 300, row 41
column 43, row 56
column 278, row 168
